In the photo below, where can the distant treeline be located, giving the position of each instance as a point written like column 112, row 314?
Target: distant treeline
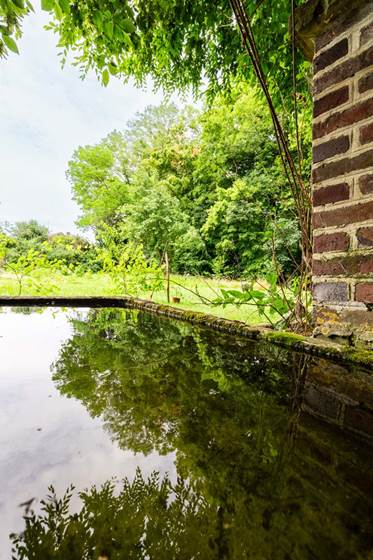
column 200, row 190
column 65, row 249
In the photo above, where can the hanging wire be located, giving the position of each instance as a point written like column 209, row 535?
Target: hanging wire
column 301, row 195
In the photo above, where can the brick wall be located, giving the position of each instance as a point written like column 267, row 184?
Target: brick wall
column 343, row 175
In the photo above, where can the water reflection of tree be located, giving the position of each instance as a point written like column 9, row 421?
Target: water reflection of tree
column 142, row 519
column 225, row 410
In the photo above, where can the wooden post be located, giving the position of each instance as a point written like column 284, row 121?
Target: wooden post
column 167, row 272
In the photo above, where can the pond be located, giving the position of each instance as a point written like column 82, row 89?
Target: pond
column 179, row 443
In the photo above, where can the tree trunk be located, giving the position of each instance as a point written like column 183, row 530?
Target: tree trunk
column 167, row 273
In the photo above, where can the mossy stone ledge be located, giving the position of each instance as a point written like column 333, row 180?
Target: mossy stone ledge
column 310, row 345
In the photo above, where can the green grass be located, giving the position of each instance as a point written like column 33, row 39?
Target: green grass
column 100, row 284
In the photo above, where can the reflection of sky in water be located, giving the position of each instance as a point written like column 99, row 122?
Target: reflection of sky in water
column 45, row 438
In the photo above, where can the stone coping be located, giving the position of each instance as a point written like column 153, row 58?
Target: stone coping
column 309, row 345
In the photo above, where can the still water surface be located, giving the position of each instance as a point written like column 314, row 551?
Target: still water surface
column 260, row 453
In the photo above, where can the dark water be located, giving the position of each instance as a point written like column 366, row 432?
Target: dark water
column 255, row 452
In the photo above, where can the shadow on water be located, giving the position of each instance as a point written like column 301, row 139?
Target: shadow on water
column 273, row 449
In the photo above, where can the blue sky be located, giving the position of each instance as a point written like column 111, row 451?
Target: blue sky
column 45, row 113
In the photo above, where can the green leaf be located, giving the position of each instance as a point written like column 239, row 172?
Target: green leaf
column 105, row 77
column 10, row 43
column 237, row 294
column 128, row 26
column 64, row 5
column 97, row 18
column 19, row 4
column 113, row 69
column 257, row 294
column 47, row 5
column 109, row 28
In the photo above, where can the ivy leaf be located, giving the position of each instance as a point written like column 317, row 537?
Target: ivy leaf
column 10, row 43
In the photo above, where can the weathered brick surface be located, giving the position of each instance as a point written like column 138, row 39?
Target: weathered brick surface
column 365, row 237
column 331, row 291
column 366, row 134
column 351, row 18
column 331, row 148
column 331, row 193
column 343, row 166
column 344, row 266
column 338, row 241
column 344, row 216
column 343, row 156
column 331, row 100
column 366, row 183
column 364, row 292
column 359, row 419
column 344, row 70
column 365, row 83
column 348, row 117
column 366, row 34
column 331, row 55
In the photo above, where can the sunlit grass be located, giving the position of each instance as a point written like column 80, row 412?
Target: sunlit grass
column 194, row 292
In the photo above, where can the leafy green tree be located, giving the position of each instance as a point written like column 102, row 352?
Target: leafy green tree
column 27, row 231
column 179, row 45
column 206, row 188
column 100, row 177
column 154, row 218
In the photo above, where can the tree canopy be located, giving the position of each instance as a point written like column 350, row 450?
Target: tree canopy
column 179, row 44
column 205, row 185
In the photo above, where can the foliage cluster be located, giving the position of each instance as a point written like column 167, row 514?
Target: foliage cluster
column 204, row 188
column 63, row 251
column 180, row 45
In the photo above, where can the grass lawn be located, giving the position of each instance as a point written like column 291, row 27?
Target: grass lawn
column 101, row 285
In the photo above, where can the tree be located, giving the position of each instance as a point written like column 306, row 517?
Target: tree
column 154, row 218
column 100, row 177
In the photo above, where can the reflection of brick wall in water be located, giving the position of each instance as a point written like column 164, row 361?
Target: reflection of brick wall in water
column 340, row 398
column 342, row 166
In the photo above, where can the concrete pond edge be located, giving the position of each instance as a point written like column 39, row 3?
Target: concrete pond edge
column 318, row 347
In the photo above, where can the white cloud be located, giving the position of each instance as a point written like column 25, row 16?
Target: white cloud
column 45, row 113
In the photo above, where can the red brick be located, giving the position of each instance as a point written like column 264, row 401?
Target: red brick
column 331, row 148
column 366, row 184
column 365, row 237
column 347, row 117
column 344, row 70
column 331, row 55
column 330, row 101
column 351, row 17
column 339, row 241
column 343, row 216
column 331, row 291
column 331, row 193
column 344, row 266
column 366, row 34
column 366, row 82
column 364, row 292
column 366, row 134
column 342, row 166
